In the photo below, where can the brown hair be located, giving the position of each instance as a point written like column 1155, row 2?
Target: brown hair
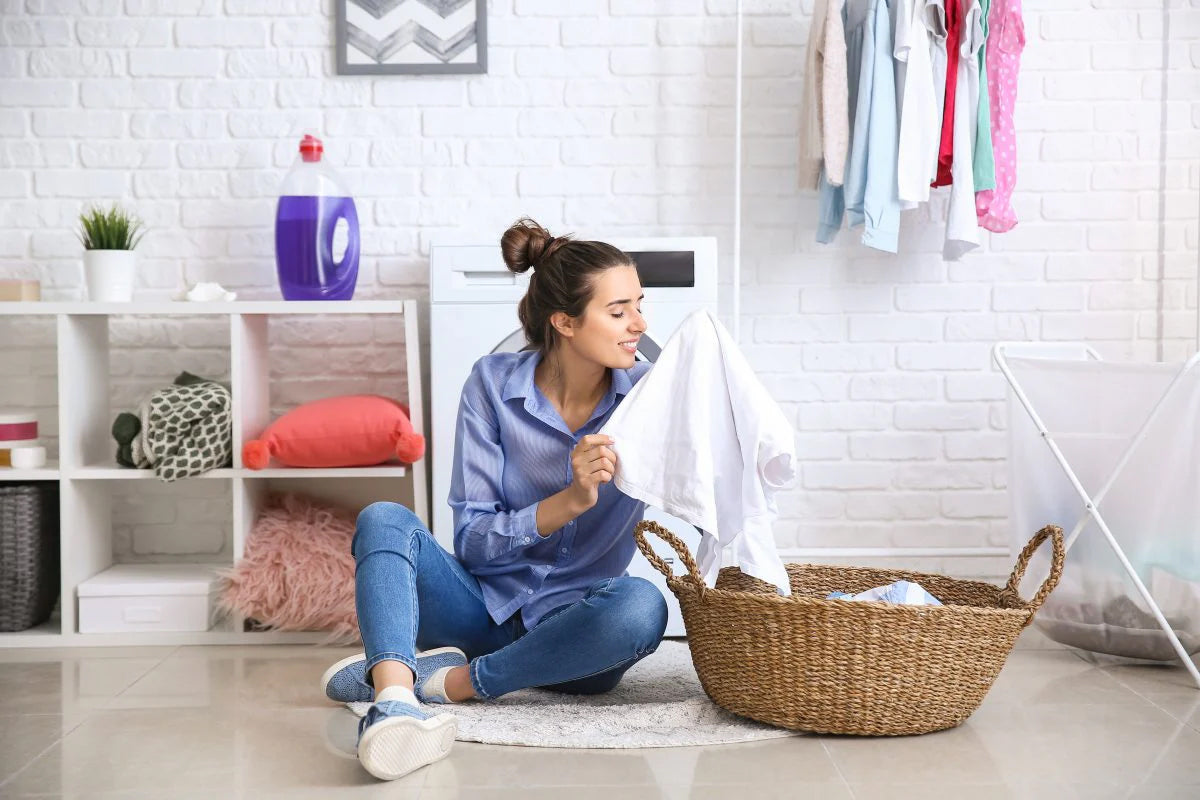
column 564, row 272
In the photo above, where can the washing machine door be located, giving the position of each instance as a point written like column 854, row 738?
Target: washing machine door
column 648, row 350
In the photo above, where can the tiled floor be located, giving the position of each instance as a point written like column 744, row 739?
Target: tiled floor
column 249, row 722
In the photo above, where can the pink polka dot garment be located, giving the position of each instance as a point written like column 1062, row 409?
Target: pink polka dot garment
column 1006, row 40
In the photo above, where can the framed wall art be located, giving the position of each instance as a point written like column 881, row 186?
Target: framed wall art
column 411, row 37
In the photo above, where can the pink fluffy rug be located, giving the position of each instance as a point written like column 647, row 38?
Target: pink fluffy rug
column 297, row 573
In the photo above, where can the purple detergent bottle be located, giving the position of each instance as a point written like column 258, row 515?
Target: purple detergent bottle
column 308, row 236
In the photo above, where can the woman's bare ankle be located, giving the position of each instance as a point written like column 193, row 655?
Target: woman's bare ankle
column 391, row 673
column 458, row 684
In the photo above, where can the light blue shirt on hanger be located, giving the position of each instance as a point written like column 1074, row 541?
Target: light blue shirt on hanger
column 870, row 197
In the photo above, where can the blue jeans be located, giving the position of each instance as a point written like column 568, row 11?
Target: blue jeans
column 410, row 593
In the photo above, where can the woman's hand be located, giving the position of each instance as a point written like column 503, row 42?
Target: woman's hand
column 593, row 462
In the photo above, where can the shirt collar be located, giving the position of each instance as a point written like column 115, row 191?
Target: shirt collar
column 520, row 380
column 520, row 384
column 621, row 382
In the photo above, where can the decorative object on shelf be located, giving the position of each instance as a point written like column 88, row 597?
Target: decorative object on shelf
column 297, row 573
column 27, row 457
column 127, row 430
column 17, row 291
column 109, row 261
column 18, row 429
column 315, row 221
column 29, row 554
column 182, row 430
column 394, row 37
column 207, row 293
column 345, row 431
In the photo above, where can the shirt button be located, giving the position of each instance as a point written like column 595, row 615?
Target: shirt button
column 529, row 591
column 527, row 540
column 564, row 550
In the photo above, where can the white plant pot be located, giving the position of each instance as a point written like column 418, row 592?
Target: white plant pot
column 109, row 275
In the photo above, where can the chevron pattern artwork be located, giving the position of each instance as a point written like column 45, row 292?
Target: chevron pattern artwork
column 411, row 36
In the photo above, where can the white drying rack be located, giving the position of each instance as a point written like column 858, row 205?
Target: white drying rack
column 1091, row 503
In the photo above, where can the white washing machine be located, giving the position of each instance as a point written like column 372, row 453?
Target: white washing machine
column 473, row 312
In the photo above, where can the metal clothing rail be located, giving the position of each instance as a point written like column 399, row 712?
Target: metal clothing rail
column 1091, row 504
column 737, row 184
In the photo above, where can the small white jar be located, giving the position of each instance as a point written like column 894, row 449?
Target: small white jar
column 28, row 457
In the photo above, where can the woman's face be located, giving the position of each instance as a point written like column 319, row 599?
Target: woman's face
column 607, row 332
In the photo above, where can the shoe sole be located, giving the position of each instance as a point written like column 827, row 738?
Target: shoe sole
column 394, row 747
column 348, row 660
column 335, row 669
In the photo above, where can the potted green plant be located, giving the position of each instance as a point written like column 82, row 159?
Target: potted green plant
column 109, row 262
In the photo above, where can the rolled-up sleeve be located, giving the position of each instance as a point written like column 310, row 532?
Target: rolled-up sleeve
column 486, row 532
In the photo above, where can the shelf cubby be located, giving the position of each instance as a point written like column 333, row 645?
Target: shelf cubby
column 29, row 382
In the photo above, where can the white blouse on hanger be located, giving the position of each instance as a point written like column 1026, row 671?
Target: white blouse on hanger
column 934, row 16
column 962, row 226
column 919, row 114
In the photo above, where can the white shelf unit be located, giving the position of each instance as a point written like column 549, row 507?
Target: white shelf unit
column 86, row 469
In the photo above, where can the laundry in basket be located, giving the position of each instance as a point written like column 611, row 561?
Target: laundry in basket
column 903, row 592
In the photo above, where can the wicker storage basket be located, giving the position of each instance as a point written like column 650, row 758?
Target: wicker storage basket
column 29, row 575
column 836, row 666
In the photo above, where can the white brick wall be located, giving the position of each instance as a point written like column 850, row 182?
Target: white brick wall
column 614, row 117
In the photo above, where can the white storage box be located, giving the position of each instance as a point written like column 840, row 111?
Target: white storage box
column 148, row 597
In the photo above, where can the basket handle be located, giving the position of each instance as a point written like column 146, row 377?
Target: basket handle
column 680, row 547
column 1055, row 534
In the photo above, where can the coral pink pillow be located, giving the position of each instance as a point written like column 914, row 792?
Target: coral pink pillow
column 349, row 431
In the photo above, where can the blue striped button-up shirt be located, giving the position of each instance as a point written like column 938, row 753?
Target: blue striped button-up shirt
column 512, row 450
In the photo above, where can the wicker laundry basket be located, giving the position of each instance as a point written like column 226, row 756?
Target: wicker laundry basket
column 837, row 666
column 29, row 574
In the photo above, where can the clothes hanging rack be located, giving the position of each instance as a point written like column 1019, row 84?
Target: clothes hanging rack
column 808, row 552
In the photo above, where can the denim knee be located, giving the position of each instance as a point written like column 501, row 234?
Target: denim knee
column 643, row 612
column 384, row 526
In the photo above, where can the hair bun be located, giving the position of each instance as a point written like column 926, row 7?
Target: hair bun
column 526, row 244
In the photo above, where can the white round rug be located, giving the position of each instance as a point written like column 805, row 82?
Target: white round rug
column 659, row 703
